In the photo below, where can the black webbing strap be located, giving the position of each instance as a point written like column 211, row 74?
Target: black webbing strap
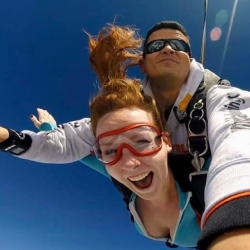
column 196, row 121
column 197, row 118
column 198, row 183
column 126, row 194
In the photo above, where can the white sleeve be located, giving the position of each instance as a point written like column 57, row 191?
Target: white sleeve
column 67, row 143
column 228, row 114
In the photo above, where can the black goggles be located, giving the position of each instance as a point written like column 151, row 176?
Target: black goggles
column 175, row 44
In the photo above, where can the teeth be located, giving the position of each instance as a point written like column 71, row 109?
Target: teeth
column 138, row 177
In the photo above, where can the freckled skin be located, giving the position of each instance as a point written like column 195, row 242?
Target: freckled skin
column 131, row 165
column 157, row 205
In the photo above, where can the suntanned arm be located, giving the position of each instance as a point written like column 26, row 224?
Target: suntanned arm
column 4, row 134
column 233, row 240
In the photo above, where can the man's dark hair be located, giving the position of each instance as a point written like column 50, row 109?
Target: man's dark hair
column 166, row 25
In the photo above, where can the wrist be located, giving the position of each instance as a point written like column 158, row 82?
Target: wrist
column 4, row 134
column 47, row 126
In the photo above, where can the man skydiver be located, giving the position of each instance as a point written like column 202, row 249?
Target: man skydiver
column 172, row 77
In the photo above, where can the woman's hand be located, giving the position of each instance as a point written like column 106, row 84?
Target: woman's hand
column 4, row 134
column 43, row 116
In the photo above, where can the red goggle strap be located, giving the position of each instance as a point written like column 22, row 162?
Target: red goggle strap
column 120, row 130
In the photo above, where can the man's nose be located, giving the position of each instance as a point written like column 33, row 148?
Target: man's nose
column 167, row 49
column 128, row 160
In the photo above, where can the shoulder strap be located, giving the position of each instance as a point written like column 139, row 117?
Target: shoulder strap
column 196, row 121
column 210, row 79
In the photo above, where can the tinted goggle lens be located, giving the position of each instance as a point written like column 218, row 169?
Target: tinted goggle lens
column 140, row 140
column 175, row 44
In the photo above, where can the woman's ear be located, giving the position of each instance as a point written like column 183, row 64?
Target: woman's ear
column 167, row 140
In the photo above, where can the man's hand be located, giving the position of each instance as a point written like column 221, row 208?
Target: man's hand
column 43, row 116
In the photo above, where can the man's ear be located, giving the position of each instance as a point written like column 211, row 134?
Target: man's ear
column 141, row 64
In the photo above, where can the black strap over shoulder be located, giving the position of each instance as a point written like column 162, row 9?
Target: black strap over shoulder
column 196, row 116
column 210, row 79
column 125, row 192
column 196, row 121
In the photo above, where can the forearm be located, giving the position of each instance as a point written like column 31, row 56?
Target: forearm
column 232, row 216
column 228, row 111
column 4, row 134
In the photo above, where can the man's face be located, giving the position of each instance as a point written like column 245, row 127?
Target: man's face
column 167, row 62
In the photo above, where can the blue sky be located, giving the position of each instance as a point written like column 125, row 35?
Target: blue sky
column 44, row 63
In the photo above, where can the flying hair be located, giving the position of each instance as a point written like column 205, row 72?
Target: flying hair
column 112, row 52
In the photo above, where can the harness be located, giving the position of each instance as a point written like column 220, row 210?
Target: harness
column 192, row 177
column 187, row 169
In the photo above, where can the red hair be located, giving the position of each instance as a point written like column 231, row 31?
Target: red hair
column 111, row 53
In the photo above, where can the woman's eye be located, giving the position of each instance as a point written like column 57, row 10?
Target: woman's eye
column 142, row 142
column 110, row 151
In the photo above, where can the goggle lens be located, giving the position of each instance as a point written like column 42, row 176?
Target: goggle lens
column 175, row 44
column 141, row 140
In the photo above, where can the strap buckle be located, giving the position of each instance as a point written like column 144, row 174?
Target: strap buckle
column 197, row 135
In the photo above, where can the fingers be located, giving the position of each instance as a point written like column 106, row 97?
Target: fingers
column 45, row 116
column 51, row 119
column 41, row 114
column 35, row 121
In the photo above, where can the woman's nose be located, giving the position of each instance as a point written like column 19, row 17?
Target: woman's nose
column 128, row 160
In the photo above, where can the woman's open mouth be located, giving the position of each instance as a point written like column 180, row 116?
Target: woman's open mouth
column 142, row 181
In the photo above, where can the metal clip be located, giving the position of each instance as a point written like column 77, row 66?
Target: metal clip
column 199, row 104
column 196, row 111
column 203, row 152
column 198, row 161
column 180, row 116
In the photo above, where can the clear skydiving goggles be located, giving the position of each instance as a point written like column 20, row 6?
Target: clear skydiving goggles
column 140, row 139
